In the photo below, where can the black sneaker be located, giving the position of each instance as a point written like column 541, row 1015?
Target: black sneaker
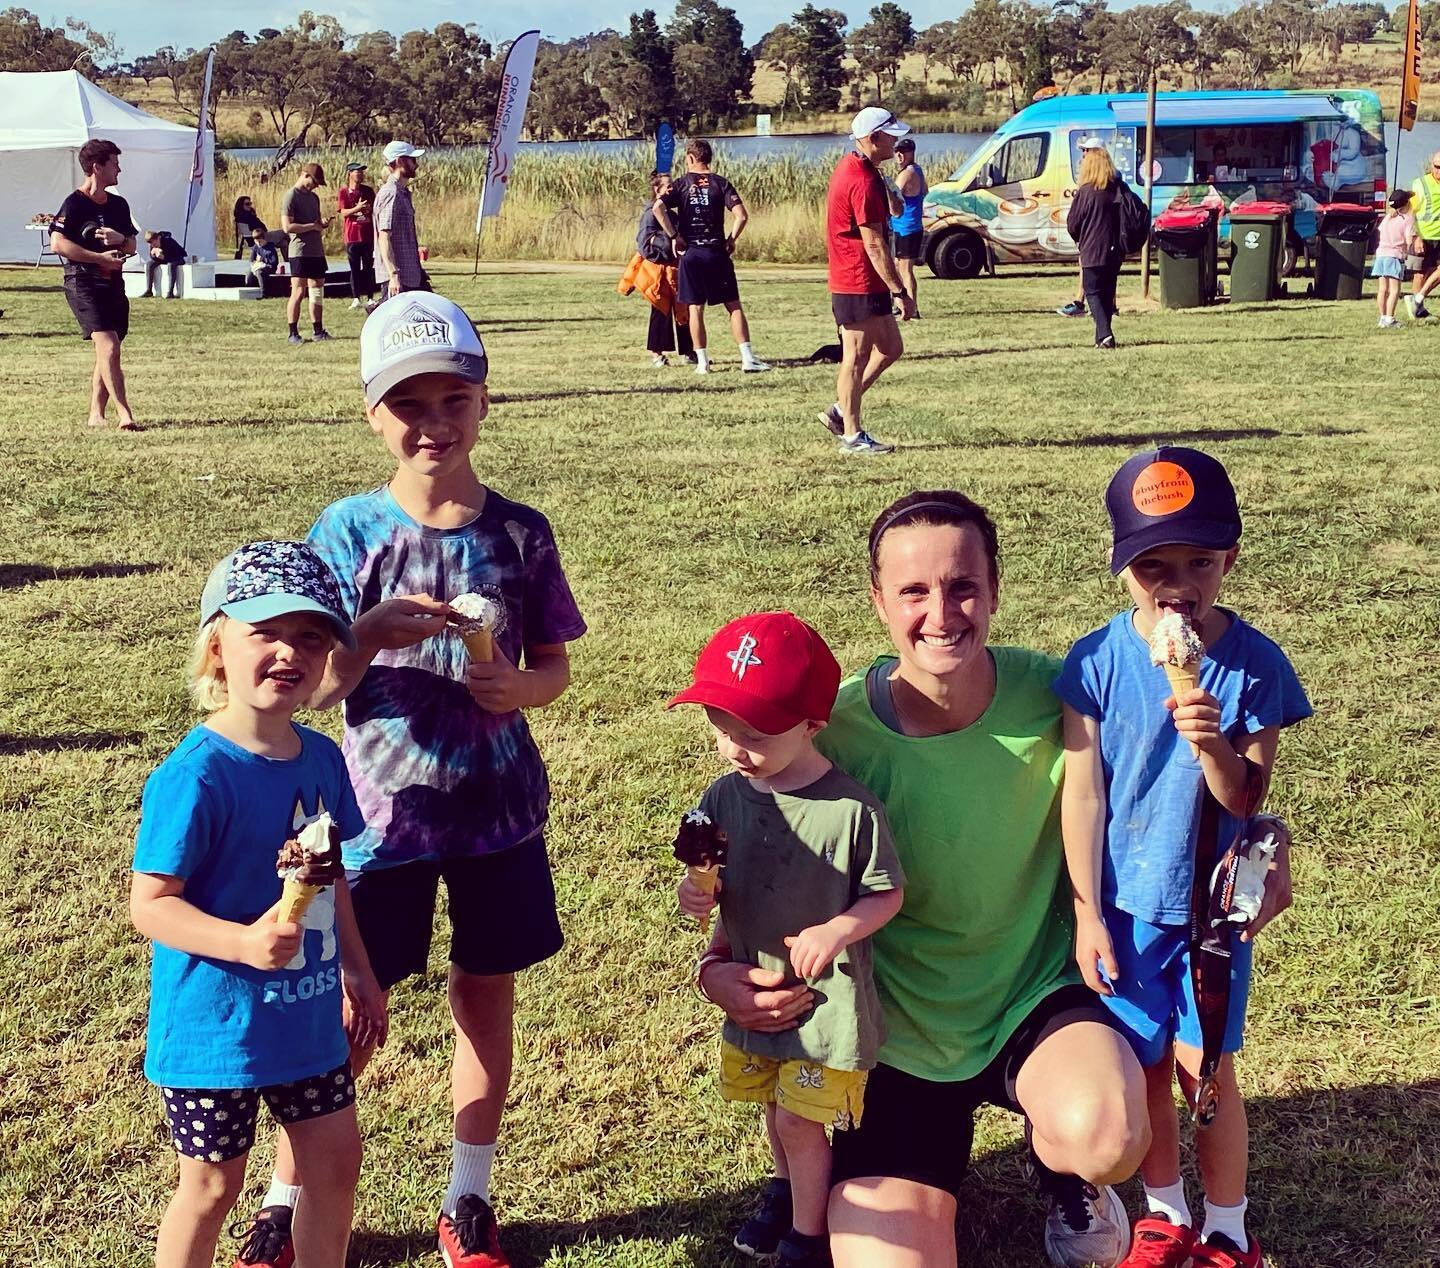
column 1107, row 344
column 1075, row 308
column 267, row 1241
column 799, row 1251
column 760, row 1235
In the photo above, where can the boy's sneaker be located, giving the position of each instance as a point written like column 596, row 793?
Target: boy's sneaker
column 833, row 420
column 472, row 1238
column 1075, row 308
column 754, row 366
column 1159, row 1244
column 862, row 442
column 267, row 1241
column 320, row 336
column 1086, row 1225
column 294, row 339
column 1221, row 1252
column 799, row 1251
column 760, row 1235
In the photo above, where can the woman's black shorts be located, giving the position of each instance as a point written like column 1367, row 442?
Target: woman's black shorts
column 99, row 304
column 910, row 246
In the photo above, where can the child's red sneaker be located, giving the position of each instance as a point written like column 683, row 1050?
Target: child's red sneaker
column 472, row 1238
column 1159, row 1244
column 267, row 1241
column 1221, row 1252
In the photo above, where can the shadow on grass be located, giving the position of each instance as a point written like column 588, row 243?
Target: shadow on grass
column 13, row 576
column 493, row 323
column 193, row 424
column 39, row 334
column 1338, row 1177
column 78, row 741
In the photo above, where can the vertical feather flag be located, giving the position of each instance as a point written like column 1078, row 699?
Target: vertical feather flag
column 1410, row 78
column 197, row 164
column 509, row 119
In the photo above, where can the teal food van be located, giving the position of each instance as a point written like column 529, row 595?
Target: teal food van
column 1008, row 202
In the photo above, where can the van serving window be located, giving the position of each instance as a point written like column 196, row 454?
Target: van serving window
column 1217, row 111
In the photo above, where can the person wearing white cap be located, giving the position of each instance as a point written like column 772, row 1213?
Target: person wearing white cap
column 864, row 285
column 397, row 246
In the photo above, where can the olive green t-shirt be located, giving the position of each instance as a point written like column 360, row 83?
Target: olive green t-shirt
column 302, row 206
column 986, row 931
column 798, row 859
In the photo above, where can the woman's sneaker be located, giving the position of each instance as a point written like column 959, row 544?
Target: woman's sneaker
column 267, row 1241
column 862, row 442
column 760, row 1235
column 1159, row 1244
column 1221, row 1252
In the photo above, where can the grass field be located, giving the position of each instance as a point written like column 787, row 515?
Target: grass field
column 679, row 504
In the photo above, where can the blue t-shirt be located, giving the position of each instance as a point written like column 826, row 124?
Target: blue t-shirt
column 215, row 815
column 437, row 776
column 1152, row 778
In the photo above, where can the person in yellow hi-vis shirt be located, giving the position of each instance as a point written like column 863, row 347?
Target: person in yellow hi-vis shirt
column 1427, row 221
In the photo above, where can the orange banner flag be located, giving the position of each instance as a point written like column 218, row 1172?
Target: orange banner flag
column 1410, row 78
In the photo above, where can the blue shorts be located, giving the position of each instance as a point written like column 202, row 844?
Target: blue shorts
column 1154, row 1000
column 1388, row 266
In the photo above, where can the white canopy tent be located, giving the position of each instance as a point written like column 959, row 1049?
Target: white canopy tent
column 47, row 116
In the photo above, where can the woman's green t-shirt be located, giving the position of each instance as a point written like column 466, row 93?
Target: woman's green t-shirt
column 986, row 931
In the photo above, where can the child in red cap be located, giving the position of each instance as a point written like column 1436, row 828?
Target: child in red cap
column 810, row 873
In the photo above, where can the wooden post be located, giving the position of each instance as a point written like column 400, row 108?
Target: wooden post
column 1149, row 177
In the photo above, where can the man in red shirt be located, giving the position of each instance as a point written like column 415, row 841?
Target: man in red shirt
column 864, row 286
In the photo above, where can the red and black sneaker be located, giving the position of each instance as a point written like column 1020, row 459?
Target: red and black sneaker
column 472, row 1238
column 267, row 1241
column 1220, row 1252
column 1159, row 1244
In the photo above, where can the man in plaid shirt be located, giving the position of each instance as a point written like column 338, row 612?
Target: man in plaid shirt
column 397, row 247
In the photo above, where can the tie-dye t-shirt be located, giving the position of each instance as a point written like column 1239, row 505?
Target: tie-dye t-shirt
column 438, row 777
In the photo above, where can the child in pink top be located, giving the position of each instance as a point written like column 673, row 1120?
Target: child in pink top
column 1397, row 240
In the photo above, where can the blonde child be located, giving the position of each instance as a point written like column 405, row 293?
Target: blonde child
column 1138, row 762
column 231, row 1022
column 810, row 873
column 1398, row 239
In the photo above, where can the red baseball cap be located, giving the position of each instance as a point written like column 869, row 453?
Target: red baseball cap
column 771, row 670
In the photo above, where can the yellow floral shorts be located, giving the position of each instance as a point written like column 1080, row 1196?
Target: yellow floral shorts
column 835, row 1098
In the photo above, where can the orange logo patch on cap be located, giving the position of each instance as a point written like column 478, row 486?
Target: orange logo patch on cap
column 1162, row 489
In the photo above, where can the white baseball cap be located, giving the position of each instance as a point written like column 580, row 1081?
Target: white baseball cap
column 1091, row 143
column 413, row 333
column 876, row 119
column 401, row 149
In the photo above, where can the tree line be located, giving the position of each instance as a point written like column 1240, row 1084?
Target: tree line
column 314, row 82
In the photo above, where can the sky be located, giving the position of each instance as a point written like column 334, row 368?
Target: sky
column 140, row 28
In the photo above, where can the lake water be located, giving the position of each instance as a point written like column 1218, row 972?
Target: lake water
column 1415, row 147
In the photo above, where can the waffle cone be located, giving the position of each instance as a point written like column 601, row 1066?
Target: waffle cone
column 704, row 879
column 480, row 645
column 1183, row 678
column 294, row 901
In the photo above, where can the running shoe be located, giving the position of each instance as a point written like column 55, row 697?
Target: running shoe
column 320, row 336
column 658, row 362
column 832, row 419
column 1107, row 344
column 1159, row 1244
column 1086, row 1224
column 812, row 1253
column 862, row 442
column 294, row 339
column 472, row 1238
column 1416, row 308
column 756, row 367
column 1075, row 308
column 267, row 1241
column 760, row 1235
column 1220, row 1252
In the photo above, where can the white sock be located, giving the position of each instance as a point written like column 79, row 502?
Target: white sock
column 746, row 354
column 281, row 1194
column 1168, row 1202
column 1229, row 1220
column 702, row 357
column 469, row 1173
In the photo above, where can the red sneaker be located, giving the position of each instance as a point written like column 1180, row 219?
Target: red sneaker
column 267, row 1241
column 1159, row 1244
column 472, row 1238
column 1221, row 1252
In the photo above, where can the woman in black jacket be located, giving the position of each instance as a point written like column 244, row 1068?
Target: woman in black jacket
column 1094, row 224
column 665, row 333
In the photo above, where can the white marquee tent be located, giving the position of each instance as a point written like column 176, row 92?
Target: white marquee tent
column 47, row 116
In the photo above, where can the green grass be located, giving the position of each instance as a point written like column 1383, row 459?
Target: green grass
column 679, row 504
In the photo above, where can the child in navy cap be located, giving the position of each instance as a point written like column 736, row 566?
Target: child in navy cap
column 1151, row 775
column 810, row 873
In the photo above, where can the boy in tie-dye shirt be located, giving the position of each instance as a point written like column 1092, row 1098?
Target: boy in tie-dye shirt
column 447, row 774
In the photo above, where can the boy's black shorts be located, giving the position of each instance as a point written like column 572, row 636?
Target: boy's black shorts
column 920, row 1130
column 313, row 267
column 502, row 913
column 707, row 276
column 99, row 304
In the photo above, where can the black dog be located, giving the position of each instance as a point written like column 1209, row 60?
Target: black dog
column 827, row 353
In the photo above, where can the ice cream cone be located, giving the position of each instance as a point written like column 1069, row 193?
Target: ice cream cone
column 1184, row 678
column 294, row 900
column 480, row 644
column 704, row 879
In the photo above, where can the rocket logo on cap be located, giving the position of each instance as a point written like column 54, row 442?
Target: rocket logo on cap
column 743, row 656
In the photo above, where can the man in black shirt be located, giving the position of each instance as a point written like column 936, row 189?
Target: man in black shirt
column 93, row 233
column 693, row 213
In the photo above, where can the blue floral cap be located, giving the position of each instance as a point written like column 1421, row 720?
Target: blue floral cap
column 269, row 579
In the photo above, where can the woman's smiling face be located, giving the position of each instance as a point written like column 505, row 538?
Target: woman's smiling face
column 935, row 592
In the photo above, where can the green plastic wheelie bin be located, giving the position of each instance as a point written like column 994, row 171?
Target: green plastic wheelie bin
column 1341, row 245
column 1183, row 236
column 1257, row 234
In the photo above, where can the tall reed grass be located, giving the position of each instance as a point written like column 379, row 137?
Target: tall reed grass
column 581, row 205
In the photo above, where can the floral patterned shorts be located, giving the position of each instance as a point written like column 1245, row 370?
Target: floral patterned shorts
column 835, row 1098
column 218, row 1124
